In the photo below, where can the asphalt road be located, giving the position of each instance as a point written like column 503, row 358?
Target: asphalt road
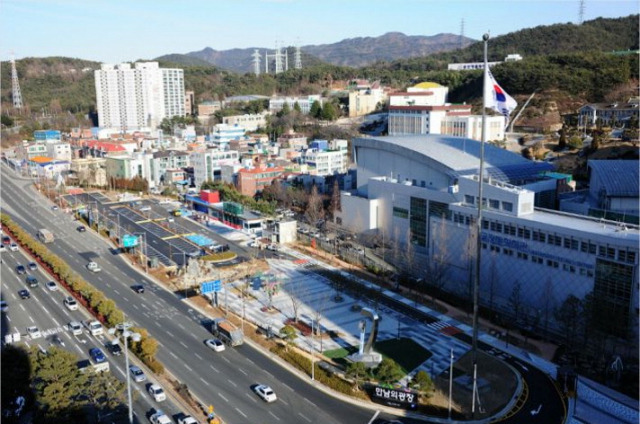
column 45, row 310
column 223, row 379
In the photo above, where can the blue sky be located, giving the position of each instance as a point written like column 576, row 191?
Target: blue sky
column 126, row 30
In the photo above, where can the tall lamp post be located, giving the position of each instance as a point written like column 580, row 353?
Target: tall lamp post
column 144, row 251
column 136, row 337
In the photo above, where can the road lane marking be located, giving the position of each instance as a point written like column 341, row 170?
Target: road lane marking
column 310, row 402
column 170, row 334
column 214, row 368
column 374, row 417
column 232, row 383
column 31, row 318
column 198, row 356
column 22, row 307
column 283, row 402
column 287, row 386
column 252, row 397
column 180, row 325
column 116, row 292
column 242, row 413
column 173, row 354
column 226, row 359
column 242, row 371
column 45, row 309
column 135, row 307
column 274, row 415
column 225, row 399
column 304, row 417
column 204, row 381
column 185, row 346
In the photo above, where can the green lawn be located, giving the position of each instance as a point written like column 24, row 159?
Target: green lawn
column 407, row 353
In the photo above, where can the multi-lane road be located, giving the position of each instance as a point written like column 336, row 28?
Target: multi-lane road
column 222, row 379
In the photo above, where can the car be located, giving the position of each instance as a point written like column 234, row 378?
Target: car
column 33, row 332
column 137, row 374
column 75, row 327
column 54, row 208
column 215, row 344
column 4, row 306
column 81, row 228
column 51, row 285
column 265, row 392
column 273, row 247
column 6, row 240
column 114, row 348
column 159, row 417
column 70, row 303
column 13, row 247
column 97, row 355
column 187, row 419
column 24, row 294
column 93, row 267
column 3, row 248
column 32, row 281
column 138, row 288
column 32, row 266
column 157, row 393
column 20, row 269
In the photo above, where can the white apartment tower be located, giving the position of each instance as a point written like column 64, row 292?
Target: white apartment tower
column 139, row 97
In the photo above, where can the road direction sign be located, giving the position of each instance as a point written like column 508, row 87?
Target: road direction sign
column 211, row 287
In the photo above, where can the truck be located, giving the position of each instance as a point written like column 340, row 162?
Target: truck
column 45, row 235
column 227, row 332
column 88, row 366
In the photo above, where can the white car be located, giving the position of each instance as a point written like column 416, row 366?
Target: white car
column 187, row 419
column 3, row 248
column 33, row 332
column 265, row 392
column 156, row 392
column 93, row 267
column 51, row 285
column 75, row 327
column 160, row 418
column 215, row 344
column 70, row 303
column 273, row 247
column 13, row 247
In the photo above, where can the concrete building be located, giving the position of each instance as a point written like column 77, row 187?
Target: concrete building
column 207, row 165
column 59, row 151
column 606, row 113
column 189, row 103
column 47, row 168
column 250, row 122
column 222, row 134
column 254, row 180
column 363, row 102
column 209, row 107
column 293, row 140
column 28, row 150
column 167, row 162
column 277, row 103
column 423, row 192
column 89, row 171
column 327, row 162
column 48, row 136
column 139, row 97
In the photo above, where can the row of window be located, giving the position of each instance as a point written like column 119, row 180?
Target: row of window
column 538, row 260
column 493, row 203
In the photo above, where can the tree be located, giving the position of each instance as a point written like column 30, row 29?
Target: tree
column 286, row 110
column 15, row 368
column 334, row 204
column 295, row 293
column 388, row 371
column 569, row 316
column 437, row 267
column 288, row 334
column 562, row 142
column 58, row 383
column 357, row 371
column 329, row 112
column 316, row 110
column 105, row 392
column 423, row 381
column 297, row 108
column 515, row 301
column 314, row 210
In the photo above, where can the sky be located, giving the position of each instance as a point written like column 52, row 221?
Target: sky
column 114, row 31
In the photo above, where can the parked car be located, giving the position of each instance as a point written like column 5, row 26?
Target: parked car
column 54, row 208
column 70, row 303
column 20, row 269
column 157, row 393
column 3, row 248
column 4, row 306
column 24, row 294
column 33, row 332
column 265, row 392
column 159, row 417
column 215, row 344
column 97, row 355
column 137, row 374
column 51, row 285
column 273, row 247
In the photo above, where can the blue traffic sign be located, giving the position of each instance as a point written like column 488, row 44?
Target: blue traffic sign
column 129, row 240
column 211, row 287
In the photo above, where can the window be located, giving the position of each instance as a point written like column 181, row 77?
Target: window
column 494, row 204
column 400, row 212
column 469, row 200
column 507, row 206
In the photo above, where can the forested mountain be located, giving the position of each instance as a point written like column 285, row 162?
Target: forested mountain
column 575, row 59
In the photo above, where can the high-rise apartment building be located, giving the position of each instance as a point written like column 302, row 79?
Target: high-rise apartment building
column 131, row 98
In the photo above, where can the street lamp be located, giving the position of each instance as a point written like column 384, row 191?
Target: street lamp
column 144, row 251
column 136, row 337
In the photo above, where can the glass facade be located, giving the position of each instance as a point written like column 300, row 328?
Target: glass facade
column 418, row 221
column 612, row 296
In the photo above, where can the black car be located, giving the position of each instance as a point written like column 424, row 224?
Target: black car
column 24, row 294
column 20, row 269
column 138, row 288
column 81, row 229
column 6, row 240
column 114, row 349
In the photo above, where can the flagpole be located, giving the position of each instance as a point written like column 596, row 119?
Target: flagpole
column 476, row 280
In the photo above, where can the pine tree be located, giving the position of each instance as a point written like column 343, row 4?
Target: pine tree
column 316, row 109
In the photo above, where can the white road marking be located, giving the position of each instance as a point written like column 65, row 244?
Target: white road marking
column 116, row 292
column 45, row 309
column 242, row 413
column 180, row 325
column 8, row 319
column 304, row 417
column 226, row 359
column 287, row 386
column 310, row 402
column 173, row 354
column 170, row 334
column 22, row 307
column 374, row 417
column 188, row 367
column 214, row 368
column 274, row 415
column 135, row 307
column 31, row 318
column 280, row 400
column 232, row 383
column 252, row 397
column 242, row 371
column 204, row 381
column 185, row 346
column 198, row 356
column 225, row 399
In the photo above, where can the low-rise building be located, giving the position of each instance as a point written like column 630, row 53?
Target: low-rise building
column 254, row 180
column 607, row 113
column 207, row 164
column 305, row 102
column 250, row 122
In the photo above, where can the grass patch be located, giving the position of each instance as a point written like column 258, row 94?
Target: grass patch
column 218, row 257
column 407, row 353
column 339, row 356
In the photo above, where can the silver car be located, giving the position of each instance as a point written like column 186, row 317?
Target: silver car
column 137, row 374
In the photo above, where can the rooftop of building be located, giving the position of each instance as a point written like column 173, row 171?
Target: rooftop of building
column 107, row 146
column 169, row 153
column 619, row 177
column 427, row 85
column 460, row 155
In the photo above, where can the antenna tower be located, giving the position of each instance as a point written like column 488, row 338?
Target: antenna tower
column 581, row 12
column 297, row 58
column 462, row 33
column 15, row 86
column 278, row 57
column 256, row 62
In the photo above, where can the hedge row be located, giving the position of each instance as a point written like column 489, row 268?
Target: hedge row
column 102, row 307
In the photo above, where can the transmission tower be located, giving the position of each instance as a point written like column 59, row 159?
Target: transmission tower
column 462, row 33
column 278, row 57
column 15, row 86
column 581, row 12
column 297, row 58
column 256, row 62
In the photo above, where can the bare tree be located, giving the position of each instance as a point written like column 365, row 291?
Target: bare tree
column 409, row 254
column 548, row 305
column 318, row 314
column 492, row 280
column 334, row 204
column 469, row 253
column 438, row 267
column 294, row 291
column 515, row 300
column 314, row 211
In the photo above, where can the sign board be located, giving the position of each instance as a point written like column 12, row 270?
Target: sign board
column 129, row 240
column 398, row 398
column 211, row 287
